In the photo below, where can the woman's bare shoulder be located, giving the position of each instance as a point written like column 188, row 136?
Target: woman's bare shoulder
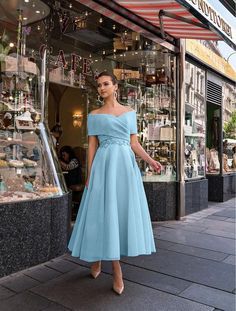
column 95, row 111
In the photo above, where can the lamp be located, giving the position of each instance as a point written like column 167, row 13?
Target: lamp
column 77, row 120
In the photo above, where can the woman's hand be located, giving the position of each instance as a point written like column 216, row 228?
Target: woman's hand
column 87, row 182
column 156, row 165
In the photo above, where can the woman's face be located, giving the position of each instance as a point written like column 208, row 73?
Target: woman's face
column 105, row 87
column 65, row 156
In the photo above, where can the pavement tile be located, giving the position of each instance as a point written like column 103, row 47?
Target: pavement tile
column 210, row 296
column 189, row 268
column 229, row 213
column 150, row 278
column 24, row 302
column 19, row 283
column 213, row 224
column 225, row 234
column 196, row 239
column 190, row 250
column 41, row 273
column 230, row 260
column 135, row 296
column 5, row 293
column 230, row 220
column 61, row 265
column 56, row 307
column 185, row 226
column 216, row 217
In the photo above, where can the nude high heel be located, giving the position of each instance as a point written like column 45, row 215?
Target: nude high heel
column 118, row 289
column 95, row 271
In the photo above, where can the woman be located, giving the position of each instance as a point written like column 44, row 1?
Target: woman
column 113, row 218
column 71, row 165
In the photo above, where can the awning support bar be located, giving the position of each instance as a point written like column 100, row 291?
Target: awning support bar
column 177, row 17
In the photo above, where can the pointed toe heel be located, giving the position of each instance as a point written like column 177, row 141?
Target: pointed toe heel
column 95, row 274
column 118, row 289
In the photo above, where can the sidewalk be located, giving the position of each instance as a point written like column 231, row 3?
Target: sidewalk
column 193, row 270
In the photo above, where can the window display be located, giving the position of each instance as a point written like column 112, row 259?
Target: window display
column 28, row 167
column 150, row 90
column 194, row 127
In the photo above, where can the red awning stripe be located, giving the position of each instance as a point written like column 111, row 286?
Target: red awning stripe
column 149, row 11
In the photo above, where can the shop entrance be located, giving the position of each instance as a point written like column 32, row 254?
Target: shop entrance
column 67, row 110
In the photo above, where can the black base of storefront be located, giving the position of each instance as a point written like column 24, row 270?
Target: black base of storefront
column 196, row 195
column 161, row 198
column 33, row 232
column 221, row 188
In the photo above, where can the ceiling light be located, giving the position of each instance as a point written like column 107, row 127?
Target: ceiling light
column 26, row 1
column 37, row 12
column 25, row 18
column 11, row 44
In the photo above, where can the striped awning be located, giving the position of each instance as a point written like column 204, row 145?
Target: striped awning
column 171, row 17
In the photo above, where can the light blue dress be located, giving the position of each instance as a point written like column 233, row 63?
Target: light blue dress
column 113, row 218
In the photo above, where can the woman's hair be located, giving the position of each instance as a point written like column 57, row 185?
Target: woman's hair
column 69, row 150
column 107, row 74
column 234, row 149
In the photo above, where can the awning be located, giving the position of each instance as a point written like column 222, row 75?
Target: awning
column 187, row 19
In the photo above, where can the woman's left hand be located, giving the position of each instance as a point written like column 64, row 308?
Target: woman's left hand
column 156, row 166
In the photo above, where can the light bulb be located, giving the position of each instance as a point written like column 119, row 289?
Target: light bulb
column 114, row 27
column 100, row 20
column 70, row 5
column 86, row 13
column 11, row 44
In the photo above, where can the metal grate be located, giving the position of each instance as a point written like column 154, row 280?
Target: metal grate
column 214, row 93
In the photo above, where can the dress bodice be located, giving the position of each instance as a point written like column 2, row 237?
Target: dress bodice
column 109, row 127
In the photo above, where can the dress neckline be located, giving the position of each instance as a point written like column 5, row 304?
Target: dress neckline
column 110, row 114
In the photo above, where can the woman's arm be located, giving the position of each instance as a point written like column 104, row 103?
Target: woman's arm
column 92, row 148
column 138, row 149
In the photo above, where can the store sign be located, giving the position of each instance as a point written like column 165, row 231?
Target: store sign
column 70, row 70
column 211, row 14
column 208, row 57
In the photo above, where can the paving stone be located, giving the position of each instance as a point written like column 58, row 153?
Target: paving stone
column 135, row 297
column 19, row 283
column 61, row 265
column 225, row 234
column 230, row 220
column 213, row 224
column 210, row 296
column 150, row 278
column 216, row 217
column 200, row 240
column 56, row 307
column 185, row 226
column 5, row 293
column 25, row 302
column 197, row 270
column 42, row 273
column 230, row 260
column 190, row 250
column 229, row 213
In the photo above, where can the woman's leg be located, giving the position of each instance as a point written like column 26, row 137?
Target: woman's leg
column 118, row 284
column 96, row 269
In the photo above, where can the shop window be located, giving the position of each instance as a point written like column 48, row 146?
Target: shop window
column 195, row 129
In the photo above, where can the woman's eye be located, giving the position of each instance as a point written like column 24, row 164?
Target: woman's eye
column 106, row 83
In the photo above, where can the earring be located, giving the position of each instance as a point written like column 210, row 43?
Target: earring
column 115, row 94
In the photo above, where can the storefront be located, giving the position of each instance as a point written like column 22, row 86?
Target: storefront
column 215, row 84
column 85, row 37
